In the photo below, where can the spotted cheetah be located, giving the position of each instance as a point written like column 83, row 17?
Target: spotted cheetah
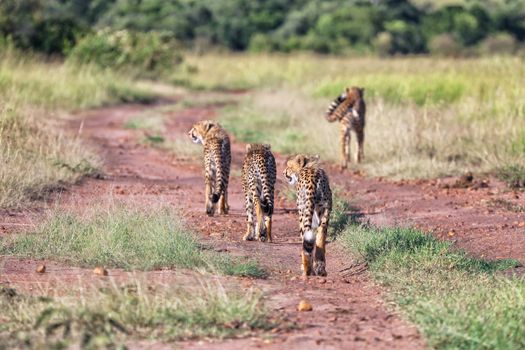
column 258, row 182
column 217, row 160
column 349, row 109
column 314, row 201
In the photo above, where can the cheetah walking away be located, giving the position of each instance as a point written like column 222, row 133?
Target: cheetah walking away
column 217, row 160
column 258, row 182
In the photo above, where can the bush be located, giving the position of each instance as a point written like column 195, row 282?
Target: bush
column 383, row 44
column 151, row 53
column 499, row 44
column 444, row 45
column 261, row 43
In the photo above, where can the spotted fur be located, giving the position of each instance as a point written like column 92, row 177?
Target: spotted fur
column 314, row 201
column 217, row 160
column 349, row 109
column 258, row 182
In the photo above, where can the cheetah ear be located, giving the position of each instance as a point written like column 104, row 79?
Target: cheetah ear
column 267, row 146
column 347, row 90
column 315, row 158
column 208, row 125
column 248, row 147
column 302, row 160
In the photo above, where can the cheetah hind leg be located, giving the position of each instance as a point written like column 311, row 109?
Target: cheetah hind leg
column 268, row 227
column 260, row 228
column 320, row 245
column 210, row 206
column 223, row 204
column 265, row 234
column 250, row 232
column 360, row 152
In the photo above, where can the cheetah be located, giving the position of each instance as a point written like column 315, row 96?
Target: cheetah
column 258, row 183
column 217, row 160
column 349, row 109
column 314, row 201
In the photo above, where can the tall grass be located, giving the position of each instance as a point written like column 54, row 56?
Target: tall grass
column 123, row 237
column 36, row 154
column 426, row 117
column 114, row 316
column 458, row 302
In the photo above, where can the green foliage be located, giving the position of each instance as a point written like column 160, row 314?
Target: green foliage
column 457, row 301
column 125, row 238
column 333, row 26
column 145, row 52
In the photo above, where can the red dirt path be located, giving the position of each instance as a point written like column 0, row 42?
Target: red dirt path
column 348, row 312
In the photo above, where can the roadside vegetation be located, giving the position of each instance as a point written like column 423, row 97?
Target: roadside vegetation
column 458, row 302
column 427, row 117
column 37, row 155
column 115, row 316
column 123, row 237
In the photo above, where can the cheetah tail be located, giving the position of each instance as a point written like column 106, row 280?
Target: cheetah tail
column 267, row 206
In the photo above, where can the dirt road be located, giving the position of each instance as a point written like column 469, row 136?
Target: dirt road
column 349, row 313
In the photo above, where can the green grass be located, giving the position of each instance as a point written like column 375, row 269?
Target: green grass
column 37, row 154
column 513, row 175
column 115, row 316
column 457, row 301
column 123, row 237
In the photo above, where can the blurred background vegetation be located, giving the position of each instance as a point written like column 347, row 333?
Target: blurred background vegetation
column 438, row 104
column 106, row 30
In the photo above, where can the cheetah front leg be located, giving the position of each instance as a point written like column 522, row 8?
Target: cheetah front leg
column 345, row 146
column 320, row 242
column 249, row 219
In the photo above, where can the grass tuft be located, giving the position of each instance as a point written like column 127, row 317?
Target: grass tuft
column 457, row 301
column 111, row 317
column 123, row 237
column 513, row 175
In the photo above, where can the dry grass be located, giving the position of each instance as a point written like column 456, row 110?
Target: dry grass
column 426, row 117
column 118, row 315
column 37, row 155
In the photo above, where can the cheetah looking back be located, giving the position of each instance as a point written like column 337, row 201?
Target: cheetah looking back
column 349, row 109
column 217, row 160
column 314, row 201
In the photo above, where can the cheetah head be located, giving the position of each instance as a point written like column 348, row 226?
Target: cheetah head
column 353, row 93
column 199, row 130
column 294, row 164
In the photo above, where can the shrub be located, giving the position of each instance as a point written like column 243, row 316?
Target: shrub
column 499, row 44
column 445, row 45
column 261, row 43
column 383, row 44
column 151, row 53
